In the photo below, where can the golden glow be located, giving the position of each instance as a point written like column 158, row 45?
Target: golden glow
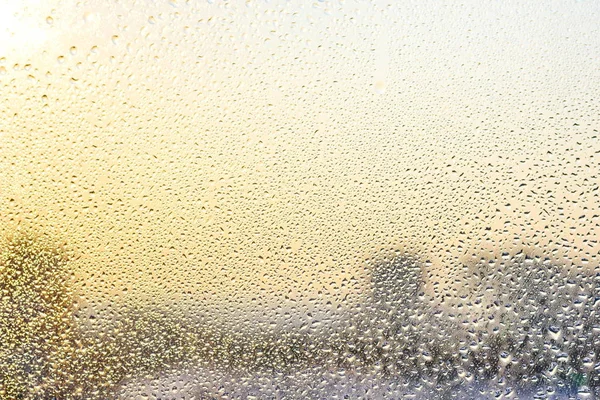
column 218, row 151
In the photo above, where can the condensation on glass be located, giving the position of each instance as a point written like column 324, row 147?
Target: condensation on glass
column 298, row 200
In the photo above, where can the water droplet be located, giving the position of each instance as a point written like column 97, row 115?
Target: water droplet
column 380, row 87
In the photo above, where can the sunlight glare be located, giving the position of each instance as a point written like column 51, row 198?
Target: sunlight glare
column 21, row 28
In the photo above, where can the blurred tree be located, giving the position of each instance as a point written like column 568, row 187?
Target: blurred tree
column 35, row 314
column 397, row 282
column 43, row 351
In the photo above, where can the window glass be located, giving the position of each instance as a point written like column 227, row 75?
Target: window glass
column 299, row 200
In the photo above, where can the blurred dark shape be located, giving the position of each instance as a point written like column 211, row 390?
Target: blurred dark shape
column 43, row 351
column 35, row 315
column 397, row 282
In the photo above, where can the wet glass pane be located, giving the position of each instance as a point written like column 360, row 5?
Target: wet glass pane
column 299, row 200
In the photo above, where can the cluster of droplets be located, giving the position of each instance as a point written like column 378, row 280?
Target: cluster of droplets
column 517, row 327
column 222, row 170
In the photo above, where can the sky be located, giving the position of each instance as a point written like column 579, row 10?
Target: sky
column 262, row 154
